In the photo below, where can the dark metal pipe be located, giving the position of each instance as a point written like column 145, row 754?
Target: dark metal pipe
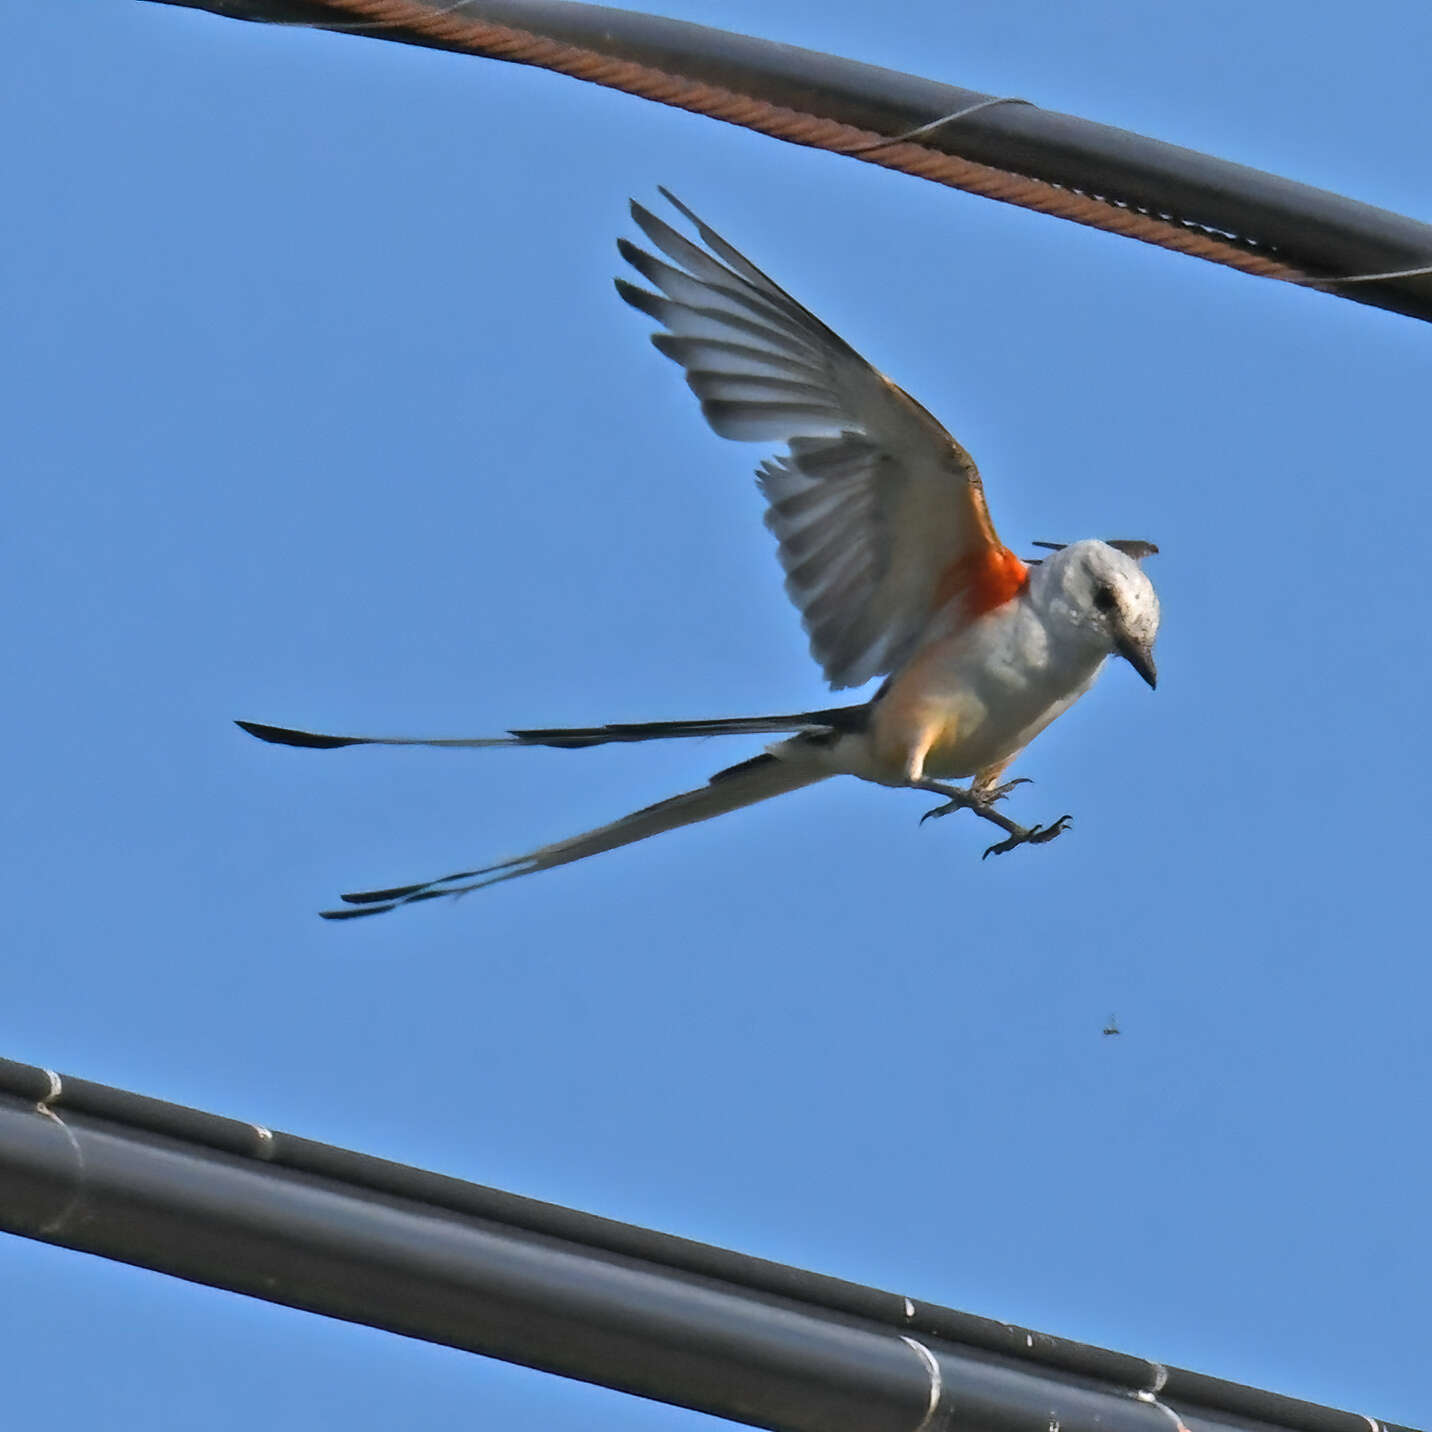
column 1215, row 204
column 236, row 1206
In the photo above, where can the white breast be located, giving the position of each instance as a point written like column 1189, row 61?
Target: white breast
column 991, row 687
column 1008, row 676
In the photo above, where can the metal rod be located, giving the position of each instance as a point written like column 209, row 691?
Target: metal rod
column 237, row 1206
column 1019, row 153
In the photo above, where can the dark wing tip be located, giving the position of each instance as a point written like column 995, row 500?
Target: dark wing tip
column 645, row 264
column 651, row 304
column 677, row 204
column 353, row 914
column 283, row 736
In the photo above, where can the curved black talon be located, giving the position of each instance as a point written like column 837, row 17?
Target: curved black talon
column 998, row 793
column 949, row 807
column 1035, row 835
column 1040, row 834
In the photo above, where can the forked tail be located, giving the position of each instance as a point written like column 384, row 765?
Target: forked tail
column 755, row 780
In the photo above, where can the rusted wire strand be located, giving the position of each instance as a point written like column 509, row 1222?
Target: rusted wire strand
column 451, row 29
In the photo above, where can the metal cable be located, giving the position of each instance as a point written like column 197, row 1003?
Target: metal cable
column 451, row 29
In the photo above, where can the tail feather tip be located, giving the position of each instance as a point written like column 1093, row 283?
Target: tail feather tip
column 381, row 897
column 284, row 736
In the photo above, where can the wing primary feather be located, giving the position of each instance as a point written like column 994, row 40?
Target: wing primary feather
column 697, row 262
column 759, row 388
column 737, row 360
column 678, row 247
column 736, row 260
column 756, row 422
column 685, row 288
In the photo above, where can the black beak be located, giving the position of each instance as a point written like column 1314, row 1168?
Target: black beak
column 1139, row 656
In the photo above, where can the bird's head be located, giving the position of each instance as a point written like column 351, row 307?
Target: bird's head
column 1100, row 590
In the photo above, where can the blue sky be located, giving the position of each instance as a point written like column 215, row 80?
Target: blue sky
column 321, row 410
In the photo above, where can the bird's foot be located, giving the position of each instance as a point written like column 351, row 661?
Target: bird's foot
column 1034, row 835
column 981, row 802
column 957, row 798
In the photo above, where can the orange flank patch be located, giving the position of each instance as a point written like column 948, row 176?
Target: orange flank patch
column 984, row 580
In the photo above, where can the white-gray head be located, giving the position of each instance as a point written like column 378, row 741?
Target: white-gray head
column 1098, row 594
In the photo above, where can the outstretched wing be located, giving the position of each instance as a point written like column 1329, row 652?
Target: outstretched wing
column 879, row 512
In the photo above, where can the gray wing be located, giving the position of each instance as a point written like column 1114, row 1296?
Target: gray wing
column 877, row 509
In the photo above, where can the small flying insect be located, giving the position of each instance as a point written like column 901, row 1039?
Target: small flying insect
column 1113, row 1025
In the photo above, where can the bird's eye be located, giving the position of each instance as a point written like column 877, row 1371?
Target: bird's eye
column 1104, row 598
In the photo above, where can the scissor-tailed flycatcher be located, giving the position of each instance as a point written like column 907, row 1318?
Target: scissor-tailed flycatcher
column 891, row 557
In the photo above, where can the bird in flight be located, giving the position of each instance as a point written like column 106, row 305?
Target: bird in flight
column 890, row 556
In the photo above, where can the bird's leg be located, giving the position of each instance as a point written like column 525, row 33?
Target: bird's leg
column 975, row 799
column 986, row 782
column 963, row 798
column 979, row 796
column 987, row 787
